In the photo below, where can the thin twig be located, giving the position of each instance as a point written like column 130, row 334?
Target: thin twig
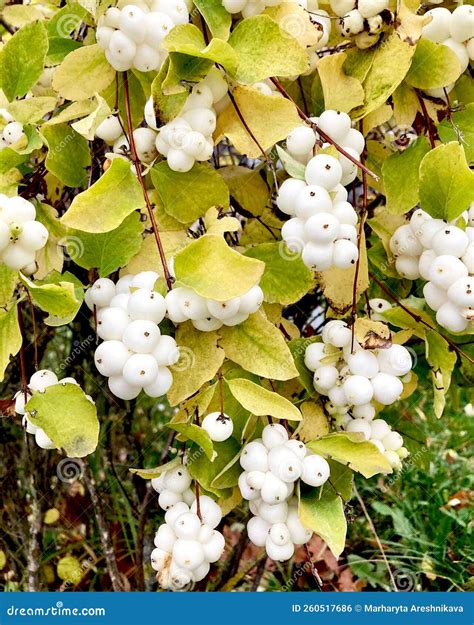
column 374, row 532
column 138, row 168
column 105, row 540
column 325, row 136
column 427, row 119
column 314, row 570
column 35, row 336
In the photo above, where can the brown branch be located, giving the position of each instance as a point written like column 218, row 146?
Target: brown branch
column 426, row 117
column 325, row 136
column 314, row 570
column 374, row 532
column 35, row 335
column 138, row 168
column 419, row 319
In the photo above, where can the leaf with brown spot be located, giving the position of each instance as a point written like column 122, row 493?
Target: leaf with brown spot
column 372, row 334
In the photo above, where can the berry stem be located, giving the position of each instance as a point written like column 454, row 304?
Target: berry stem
column 326, row 137
column 136, row 162
column 360, row 234
column 220, row 380
column 35, row 335
column 418, row 319
column 198, row 488
column 426, row 117
column 24, row 379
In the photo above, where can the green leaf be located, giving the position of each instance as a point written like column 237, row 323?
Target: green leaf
column 22, row 60
column 10, row 337
column 259, row 347
column 222, row 472
column 341, row 92
column 269, row 118
column 388, row 67
column 442, row 360
column 261, row 402
column 214, row 270
column 200, row 359
column 401, row 177
column 361, row 456
column 8, row 281
column 166, row 107
column 446, row 182
column 196, row 434
column 68, row 155
column 32, row 109
column 264, row 50
column 104, row 206
column 217, row 18
column 68, row 418
column 67, row 20
column 298, row 349
column 106, row 251
column 87, row 126
column 9, row 159
column 285, row 279
column 248, row 189
column 291, row 165
column 83, row 73
column 325, row 516
column 341, row 480
column 460, row 128
column 188, row 196
column 70, row 570
column 434, row 66
column 56, row 296
column 401, row 524
column 149, row 474
column 59, row 48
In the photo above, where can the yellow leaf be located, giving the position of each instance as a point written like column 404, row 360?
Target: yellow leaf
column 341, row 92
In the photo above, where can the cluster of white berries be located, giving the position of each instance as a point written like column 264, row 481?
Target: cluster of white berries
column 362, row 19
column 132, row 37
column 352, row 377
column 12, row 133
column 377, row 306
column 184, row 304
column 21, row 236
column 378, row 431
column 110, row 131
column 188, row 138
column 443, row 254
column 272, row 466
column 187, row 543
column 323, row 224
column 454, row 30
column 39, row 381
column 248, row 8
column 135, row 355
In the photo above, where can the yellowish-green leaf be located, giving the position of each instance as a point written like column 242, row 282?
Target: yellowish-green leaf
column 68, row 418
column 325, row 516
column 3, row 560
column 341, row 92
column 286, row 278
column 10, row 337
column 362, row 456
column 442, row 361
column 434, row 66
column 216, row 271
column 188, row 196
column 294, row 20
column 196, row 434
column 460, row 128
column 83, row 73
column 8, row 281
column 401, row 177
column 219, row 224
column 148, row 258
column 269, row 118
column 200, row 359
column 68, row 155
column 87, row 126
column 32, row 109
column 51, row 516
column 264, row 49
column 261, row 402
column 405, row 104
column 22, row 59
column 217, row 17
column 149, row 474
column 70, row 570
column 105, row 205
column 259, row 347
column 54, row 295
column 446, row 182
column 248, row 189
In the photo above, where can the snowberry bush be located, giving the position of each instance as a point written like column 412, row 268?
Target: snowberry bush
column 260, row 214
